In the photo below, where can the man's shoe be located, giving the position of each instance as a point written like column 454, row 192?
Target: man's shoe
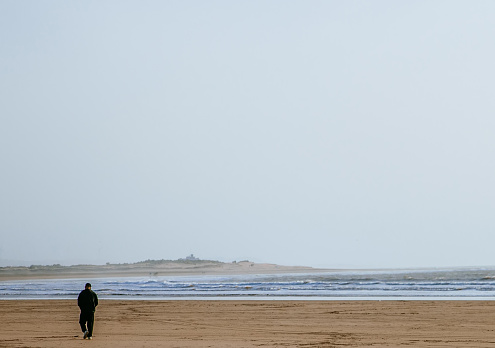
column 90, row 338
column 86, row 333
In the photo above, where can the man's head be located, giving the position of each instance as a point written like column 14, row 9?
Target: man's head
column 87, row 286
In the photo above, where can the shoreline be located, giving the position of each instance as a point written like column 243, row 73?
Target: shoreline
column 198, row 324
column 274, row 298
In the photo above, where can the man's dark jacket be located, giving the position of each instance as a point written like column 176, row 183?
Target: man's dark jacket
column 87, row 300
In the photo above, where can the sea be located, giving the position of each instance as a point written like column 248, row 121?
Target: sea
column 445, row 284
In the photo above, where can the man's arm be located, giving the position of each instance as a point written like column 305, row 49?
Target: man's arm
column 96, row 299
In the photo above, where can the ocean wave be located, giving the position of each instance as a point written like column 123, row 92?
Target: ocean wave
column 473, row 283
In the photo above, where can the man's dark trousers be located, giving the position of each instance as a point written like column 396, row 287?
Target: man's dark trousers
column 87, row 317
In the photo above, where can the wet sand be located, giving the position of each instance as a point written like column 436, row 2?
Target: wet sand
column 53, row 323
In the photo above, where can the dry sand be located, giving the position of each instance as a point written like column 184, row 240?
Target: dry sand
column 53, row 323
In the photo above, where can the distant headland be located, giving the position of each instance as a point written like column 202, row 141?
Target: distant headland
column 189, row 265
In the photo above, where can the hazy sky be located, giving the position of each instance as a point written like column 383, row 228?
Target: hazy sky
column 319, row 133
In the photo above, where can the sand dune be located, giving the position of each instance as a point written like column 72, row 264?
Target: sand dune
column 155, row 268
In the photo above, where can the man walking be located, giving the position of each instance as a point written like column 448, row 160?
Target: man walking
column 87, row 302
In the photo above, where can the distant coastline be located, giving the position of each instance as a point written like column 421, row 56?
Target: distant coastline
column 146, row 268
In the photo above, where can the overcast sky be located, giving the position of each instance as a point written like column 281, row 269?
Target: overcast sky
column 318, row 133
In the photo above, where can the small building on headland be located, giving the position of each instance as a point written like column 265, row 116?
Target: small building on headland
column 190, row 258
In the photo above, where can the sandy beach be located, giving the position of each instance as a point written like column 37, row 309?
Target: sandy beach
column 53, row 323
